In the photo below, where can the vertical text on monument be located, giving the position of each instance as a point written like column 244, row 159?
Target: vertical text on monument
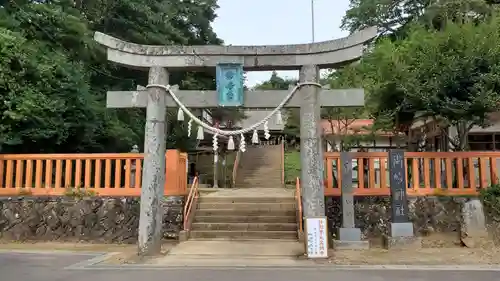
column 230, row 84
column 347, row 190
column 313, row 193
column 399, row 203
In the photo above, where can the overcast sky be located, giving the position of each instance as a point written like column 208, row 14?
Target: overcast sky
column 271, row 22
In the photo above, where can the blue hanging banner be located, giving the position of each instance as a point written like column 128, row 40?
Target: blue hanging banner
column 229, row 79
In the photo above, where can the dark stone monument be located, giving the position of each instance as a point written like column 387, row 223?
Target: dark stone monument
column 349, row 237
column 401, row 229
column 397, row 181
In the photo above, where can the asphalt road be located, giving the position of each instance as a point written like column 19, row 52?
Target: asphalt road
column 50, row 267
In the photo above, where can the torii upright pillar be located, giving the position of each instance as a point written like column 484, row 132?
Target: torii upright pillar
column 310, row 144
column 153, row 179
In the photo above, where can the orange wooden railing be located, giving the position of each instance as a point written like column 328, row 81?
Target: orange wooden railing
column 117, row 174
column 427, row 173
column 298, row 200
column 282, row 161
column 191, row 200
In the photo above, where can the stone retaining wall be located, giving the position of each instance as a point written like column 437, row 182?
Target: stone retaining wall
column 106, row 220
column 373, row 214
column 116, row 220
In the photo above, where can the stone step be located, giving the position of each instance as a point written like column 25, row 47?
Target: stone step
column 265, row 163
column 243, row 219
column 260, row 165
column 249, row 171
column 263, row 207
column 255, row 169
column 263, row 147
column 244, row 234
column 260, row 185
column 256, row 185
column 267, row 158
column 261, row 151
column 250, row 186
column 257, row 174
column 264, row 155
column 275, row 184
column 249, row 213
column 264, row 179
column 244, row 226
column 260, row 177
column 214, row 199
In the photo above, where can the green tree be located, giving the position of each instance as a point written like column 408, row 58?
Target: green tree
column 450, row 74
column 63, row 29
column 395, row 16
column 292, row 116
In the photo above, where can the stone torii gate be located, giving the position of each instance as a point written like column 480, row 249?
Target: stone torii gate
column 160, row 60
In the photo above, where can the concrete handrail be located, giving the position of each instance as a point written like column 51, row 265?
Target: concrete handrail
column 235, row 167
column 283, row 161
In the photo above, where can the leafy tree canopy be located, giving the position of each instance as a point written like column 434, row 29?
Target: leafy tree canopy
column 395, row 16
column 450, row 74
column 53, row 76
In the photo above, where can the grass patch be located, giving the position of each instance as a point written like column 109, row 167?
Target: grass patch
column 292, row 166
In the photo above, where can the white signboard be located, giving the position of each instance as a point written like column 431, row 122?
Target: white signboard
column 317, row 237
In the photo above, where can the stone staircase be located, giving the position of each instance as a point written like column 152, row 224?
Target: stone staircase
column 260, row 167
column 262, row 216
column 258, row 208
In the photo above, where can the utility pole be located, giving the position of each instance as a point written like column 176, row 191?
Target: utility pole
column 312, row 21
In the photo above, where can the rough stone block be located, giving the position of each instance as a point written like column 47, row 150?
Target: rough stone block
column 473, row 231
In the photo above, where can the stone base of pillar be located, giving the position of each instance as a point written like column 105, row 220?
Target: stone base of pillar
column 401, row 236
column 350, row 239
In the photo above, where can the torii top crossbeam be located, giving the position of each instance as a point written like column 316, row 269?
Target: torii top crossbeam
column 327, row 54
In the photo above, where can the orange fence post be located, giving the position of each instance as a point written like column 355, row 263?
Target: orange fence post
column 171, row 176
column 182, row 173
column 176, row 173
